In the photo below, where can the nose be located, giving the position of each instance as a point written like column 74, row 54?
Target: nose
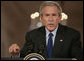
column 50, row 18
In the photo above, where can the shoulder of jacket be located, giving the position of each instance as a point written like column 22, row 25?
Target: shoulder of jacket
column 36, row 30
column 69, row 29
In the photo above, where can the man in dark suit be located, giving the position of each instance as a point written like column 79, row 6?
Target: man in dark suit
column 52, row 40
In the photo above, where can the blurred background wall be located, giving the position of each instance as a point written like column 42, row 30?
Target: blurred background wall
column 16, row 21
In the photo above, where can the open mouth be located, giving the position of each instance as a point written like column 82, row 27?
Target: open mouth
column 51, row 25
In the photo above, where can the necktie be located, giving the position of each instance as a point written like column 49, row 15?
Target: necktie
column 49, row 46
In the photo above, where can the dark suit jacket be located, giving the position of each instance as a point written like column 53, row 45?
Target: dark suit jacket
column 70, row 47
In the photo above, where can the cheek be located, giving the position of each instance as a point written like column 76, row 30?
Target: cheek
column 57, row 21
column 44, row 21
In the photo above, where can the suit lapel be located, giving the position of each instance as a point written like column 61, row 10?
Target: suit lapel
column 43, row 40
column 59, row 41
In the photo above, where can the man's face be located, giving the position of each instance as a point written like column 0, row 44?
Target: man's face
column 50, row 17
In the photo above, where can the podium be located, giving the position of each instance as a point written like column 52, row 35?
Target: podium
column 9, row 58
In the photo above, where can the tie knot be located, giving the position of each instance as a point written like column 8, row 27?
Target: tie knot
column 50, row 35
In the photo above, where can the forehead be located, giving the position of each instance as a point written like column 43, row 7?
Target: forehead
column 50, row 9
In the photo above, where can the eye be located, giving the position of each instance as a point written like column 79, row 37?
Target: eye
column 47, row 15
column 54, row 15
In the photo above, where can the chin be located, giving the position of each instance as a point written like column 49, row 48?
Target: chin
column 51, row 29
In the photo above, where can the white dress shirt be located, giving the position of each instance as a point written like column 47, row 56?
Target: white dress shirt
column 54, row 34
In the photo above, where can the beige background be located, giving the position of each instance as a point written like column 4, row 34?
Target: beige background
column 15, row 20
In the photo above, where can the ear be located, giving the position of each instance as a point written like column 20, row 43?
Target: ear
column 40, row 18
column 59, row 19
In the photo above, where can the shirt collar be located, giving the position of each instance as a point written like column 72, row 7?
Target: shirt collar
column 53, row 32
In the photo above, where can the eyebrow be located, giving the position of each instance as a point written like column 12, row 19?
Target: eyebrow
column 52, row 14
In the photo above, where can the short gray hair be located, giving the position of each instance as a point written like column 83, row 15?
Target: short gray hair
column 50, row 3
